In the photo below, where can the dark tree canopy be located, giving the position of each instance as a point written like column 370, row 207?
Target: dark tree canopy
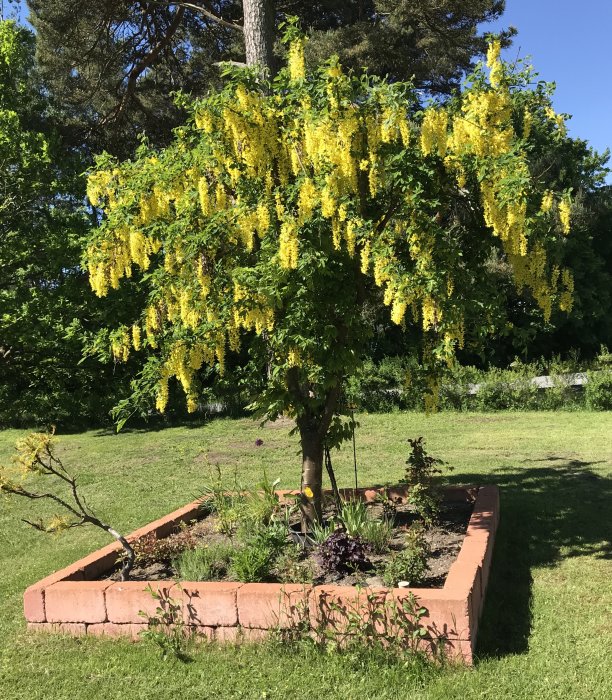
column 45, row 302
column 114, row 63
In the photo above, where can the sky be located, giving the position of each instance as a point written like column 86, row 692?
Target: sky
column 570, row 43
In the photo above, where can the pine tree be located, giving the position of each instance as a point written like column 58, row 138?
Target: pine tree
column 114, row 64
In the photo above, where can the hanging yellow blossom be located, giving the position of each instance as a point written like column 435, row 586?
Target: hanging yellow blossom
column 564, row 215
column 324, row 174
column 296, row 59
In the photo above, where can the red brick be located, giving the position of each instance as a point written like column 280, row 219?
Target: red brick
column 370, row 495
column 110, row 629
column 269, row 605
column 334, row 607
column 396, row 493
column 34, row 604
column 462, row 572
column 446, row 616
column 475, row 602
column 99, row 562
column 76, row 601
column 125, row 600
column 210, row 603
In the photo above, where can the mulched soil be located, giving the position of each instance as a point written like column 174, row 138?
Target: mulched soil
column 444, row 539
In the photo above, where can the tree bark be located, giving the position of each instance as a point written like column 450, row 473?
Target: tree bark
column 312, row 475
column 313, row 431
column 259, row 34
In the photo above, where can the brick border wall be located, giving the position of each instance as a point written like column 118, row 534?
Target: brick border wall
column 73, row 602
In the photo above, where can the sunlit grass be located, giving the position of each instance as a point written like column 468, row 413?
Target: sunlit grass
column 546, row 631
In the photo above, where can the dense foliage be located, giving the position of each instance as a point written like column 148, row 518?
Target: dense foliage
column 59, row 116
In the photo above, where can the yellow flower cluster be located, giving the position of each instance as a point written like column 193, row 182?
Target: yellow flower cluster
column 547, row 202
column 297, row 70
column 494, row 64
column 434, row 131
column 564, row 215
column 483, row 127
column 121, row 344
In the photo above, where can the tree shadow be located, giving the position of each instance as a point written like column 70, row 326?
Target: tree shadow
column 547, row 514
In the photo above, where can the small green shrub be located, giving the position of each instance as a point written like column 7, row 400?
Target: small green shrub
column 425, row 503
column 421, row 468
column 273, row 536
column 204, row 563
column 378, row 534
column 292, row 567
column 149, row 550
column 251, row 563
column 421, row 471
column 599, row 391
column 409, row 564
column 166, row 628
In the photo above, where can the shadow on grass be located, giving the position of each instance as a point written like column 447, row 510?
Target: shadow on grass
column 547, row 514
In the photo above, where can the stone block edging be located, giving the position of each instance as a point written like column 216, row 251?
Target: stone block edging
column 72, row 601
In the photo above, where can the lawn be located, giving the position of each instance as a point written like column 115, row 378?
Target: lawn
column 547, row 625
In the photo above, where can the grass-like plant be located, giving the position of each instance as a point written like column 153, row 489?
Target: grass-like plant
column 251, row 563
column 209, row 563
column 354, row 517
column 378, row 534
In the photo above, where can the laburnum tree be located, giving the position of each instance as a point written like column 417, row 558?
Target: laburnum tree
column 283, row 213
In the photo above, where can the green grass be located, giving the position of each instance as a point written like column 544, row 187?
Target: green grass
column 546, row 630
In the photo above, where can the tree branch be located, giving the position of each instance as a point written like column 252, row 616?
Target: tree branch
column 201, row 10
column 142, row 65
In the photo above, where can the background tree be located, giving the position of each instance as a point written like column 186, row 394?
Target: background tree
column 45, row 301
column 564, row 163
column 113, row 64
column 278, row 216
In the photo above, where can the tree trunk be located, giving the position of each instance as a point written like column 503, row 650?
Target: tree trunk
column 312, row 475
column 259, row 34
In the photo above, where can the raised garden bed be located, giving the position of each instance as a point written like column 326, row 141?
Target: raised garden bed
column 76, row 601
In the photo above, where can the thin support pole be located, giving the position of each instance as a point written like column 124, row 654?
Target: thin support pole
column 354, row 448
